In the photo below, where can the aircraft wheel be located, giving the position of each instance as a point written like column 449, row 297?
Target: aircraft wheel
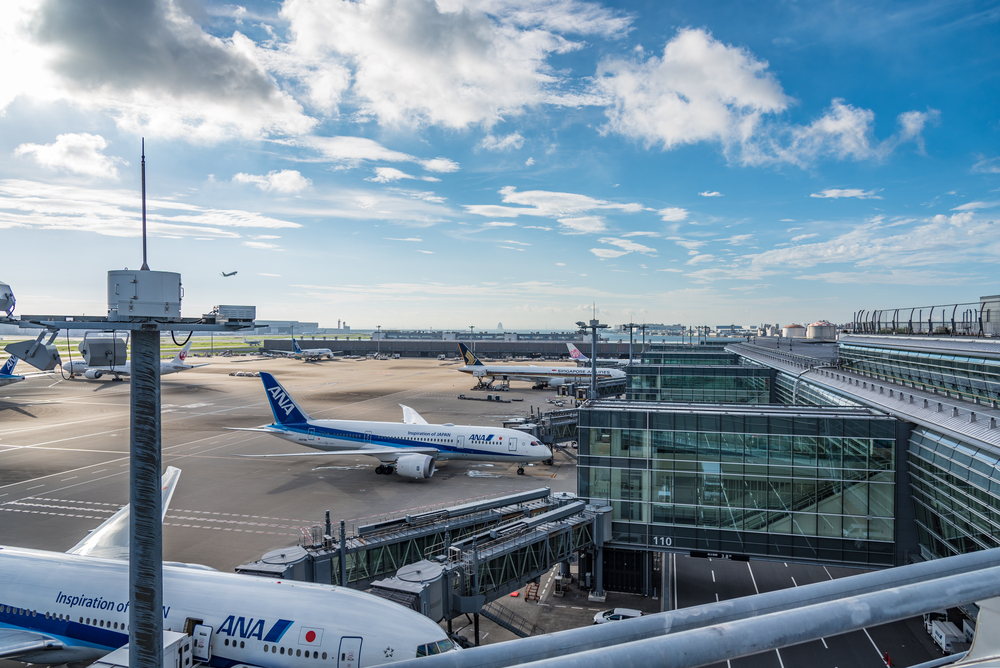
column 548, row 462
column 520, row 470
column 380, row 469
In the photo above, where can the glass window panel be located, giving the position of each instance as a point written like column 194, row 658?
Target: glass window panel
column 805, row 494
column 830, row 525
column 882, row 454
column 856, row 528
column 662, row 514
column 804, row 524
column 881, row 499
column 685, row 515
column 662, row 444
column 855, row 498
column 779, row 494
column 708, row 447
column 685, row 445
column 686, row 487
column 856, row 453
column 600, row 483
column 731, row 447
column 804, row 450
column 600, row 442
column 756, row 449
column 708, row 517
column 780, row 449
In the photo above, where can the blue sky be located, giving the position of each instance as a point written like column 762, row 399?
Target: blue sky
column 420, row 164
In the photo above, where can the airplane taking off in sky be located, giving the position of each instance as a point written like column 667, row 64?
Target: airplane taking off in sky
column 232, row 273
column 409, row 449
column 94, row 372
column 309, row 354
column 553, row 376
column 7, row 372
column 58, row 608
column 575, row 354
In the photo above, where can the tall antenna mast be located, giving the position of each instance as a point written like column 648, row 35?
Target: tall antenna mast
column 145, row 267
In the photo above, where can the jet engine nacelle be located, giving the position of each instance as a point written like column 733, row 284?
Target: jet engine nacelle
column 556, row 382
column 92, row 374
column 415, row 466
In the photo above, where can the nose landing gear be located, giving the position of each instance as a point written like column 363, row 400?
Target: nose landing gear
column 520, row 470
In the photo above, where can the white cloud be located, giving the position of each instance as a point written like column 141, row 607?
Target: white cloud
column 890, row 277
column 271, row 275
column 560, row 264
column 551, row 204
column 499, row 224
column 626, row 245
column 672, row 271
column 672, row 214
column 445, row 63
column 262, row 245
column 835, row 193
column 391, row 175
column 583, row 225
column 689, row 244
column 713, row 193
column 972, row 206
column 740, row 239
column 607, row 253
column 78, row 153
column 513, row 140
column 440, row 165
column 529, row 162
column 263, row 236
column 426, row 252
column 538, row 227
column 803, row 237
column 641, row 234
column 406, row 239
column 150, row 66
column 700, row 90
column 511, row 248
column 516, row 243
column 115, row 213
column 987, row 166
column 351, row 151
column 701, row 259
column 284, row 181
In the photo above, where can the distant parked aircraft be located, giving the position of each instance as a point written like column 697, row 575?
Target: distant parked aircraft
column 553, row 376
column 232, row 273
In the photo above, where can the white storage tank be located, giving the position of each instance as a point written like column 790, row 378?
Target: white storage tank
column 822, row 330
column 793, row 331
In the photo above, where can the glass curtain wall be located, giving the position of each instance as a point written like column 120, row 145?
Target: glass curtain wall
column 961, row 376
column 781, row 484
column 703, row 384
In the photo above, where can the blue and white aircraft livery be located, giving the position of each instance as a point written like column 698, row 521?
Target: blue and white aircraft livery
column 553, row 376
column 309, row 354
column 60, row 608
column 7, row 372
column 409, row 449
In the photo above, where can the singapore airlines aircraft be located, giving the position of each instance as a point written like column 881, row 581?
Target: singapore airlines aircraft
column 553, row 376
column 575, row 354
column 7, row 372
column 93, row 372
column 58, row 608
column 408, row 449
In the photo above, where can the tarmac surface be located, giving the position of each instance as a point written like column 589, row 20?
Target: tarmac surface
column 64, row 469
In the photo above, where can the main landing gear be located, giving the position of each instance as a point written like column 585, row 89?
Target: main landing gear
column 520, row 470
column 384, row 469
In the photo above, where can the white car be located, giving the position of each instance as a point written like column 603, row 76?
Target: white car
column 615, row 615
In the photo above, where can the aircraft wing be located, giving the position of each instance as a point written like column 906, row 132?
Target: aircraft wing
column 264, row 430
column 15, row 642
column 110, row 540
column 411, row 416
column 382, row 454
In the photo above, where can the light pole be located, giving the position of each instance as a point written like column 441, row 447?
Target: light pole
column 378, row 341
column 593, row 327
column 472, row 331
column 631, row 329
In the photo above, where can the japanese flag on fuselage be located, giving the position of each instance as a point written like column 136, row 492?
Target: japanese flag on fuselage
column 310, row 636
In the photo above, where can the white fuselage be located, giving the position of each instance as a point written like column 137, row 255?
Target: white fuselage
column 83, row 603
column 538, row 374
column 81, row 368
column 490, row 444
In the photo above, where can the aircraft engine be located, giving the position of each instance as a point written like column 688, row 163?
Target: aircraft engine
column 415, row 466
column 92, row 374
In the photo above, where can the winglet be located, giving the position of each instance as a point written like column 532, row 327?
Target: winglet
column 469, row 356
column 411, row 416
column 110, row 540
column 285, row 410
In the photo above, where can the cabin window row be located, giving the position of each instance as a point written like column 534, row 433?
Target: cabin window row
column 274, row 649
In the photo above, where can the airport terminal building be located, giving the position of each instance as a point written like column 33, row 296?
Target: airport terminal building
column 875, row 450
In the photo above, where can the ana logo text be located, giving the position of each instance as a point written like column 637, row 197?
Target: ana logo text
column 482, row 438
column 284, row 403
column 244, row 627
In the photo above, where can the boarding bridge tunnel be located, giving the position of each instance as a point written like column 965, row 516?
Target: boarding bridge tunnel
column 382, row 548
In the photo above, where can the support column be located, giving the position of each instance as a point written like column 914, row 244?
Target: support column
column 146, row 513
column 343, row 554
column 597, row 594
column 475, row 627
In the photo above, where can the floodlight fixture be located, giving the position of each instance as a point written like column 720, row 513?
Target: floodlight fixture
column 7, row 300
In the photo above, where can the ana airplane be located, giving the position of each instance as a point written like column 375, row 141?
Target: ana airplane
column 575, row 354
column 72, row 608
column 553, row 376
column 93, row 372
column 252, row 342
column 409, row 449
column 232, row 273
column 307, row 354
column 7, row 372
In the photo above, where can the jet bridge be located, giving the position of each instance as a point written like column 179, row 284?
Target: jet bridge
column 452, row 561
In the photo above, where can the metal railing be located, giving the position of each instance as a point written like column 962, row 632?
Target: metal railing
column 979, row 319
column 510, row 620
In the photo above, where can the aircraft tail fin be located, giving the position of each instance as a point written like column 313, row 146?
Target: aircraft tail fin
column 285, row 410
column 575, row 353
column 469, row 356
column 411, row 416
column 182, row 354
column 8, row 368
column 295, row 345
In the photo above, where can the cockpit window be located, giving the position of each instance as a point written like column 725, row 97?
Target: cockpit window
column 435, row 648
